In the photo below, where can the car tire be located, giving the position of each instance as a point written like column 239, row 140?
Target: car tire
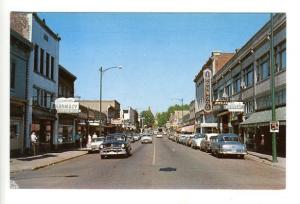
column 242, row 156
column 102, row 157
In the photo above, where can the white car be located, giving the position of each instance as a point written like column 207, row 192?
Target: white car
column 159, row 135
column 146, row 139
column 95, row 144
column 196, row 141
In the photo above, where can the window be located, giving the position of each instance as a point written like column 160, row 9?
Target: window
column 228, row 90
column 237, row 83
column 35, row 95
column 42, row 62
column 264, row 102
column 47, row 65
column 280, row 57
column 52, row 68
column 249, row 106
column 36, row 52
column 280, row 97
column 215, row 94
column 248, row 75
column 12, row 75
column 263, row 68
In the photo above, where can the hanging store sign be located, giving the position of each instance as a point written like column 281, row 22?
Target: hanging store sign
column 66, row 105
column 117, row 121
column 274, row 126
column 234, row 106
column 207, row 90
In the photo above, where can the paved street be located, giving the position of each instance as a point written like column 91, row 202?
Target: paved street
column 161, row 165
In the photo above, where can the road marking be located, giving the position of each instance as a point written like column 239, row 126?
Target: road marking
column 153, row 160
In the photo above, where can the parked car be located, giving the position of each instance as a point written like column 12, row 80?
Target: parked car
column 181, row 138
column 195, row 142
column 206, row 142
column 146, row 139
column 228, row 144
column 95, row 144
column 136, row 137
column 187, row 139
column 115, row 144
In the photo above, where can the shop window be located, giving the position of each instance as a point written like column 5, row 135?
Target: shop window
column 14, row 131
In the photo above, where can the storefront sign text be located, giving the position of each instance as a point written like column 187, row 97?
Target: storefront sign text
column 66, row 105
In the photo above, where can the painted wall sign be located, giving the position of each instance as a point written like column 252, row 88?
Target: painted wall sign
column 207, row 90
column 66, row 105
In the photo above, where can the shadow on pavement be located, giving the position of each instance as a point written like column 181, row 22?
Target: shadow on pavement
column 36, row 157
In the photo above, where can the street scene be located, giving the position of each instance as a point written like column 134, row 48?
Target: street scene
column 147, row 101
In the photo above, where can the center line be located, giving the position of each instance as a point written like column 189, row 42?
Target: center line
column 153, row 160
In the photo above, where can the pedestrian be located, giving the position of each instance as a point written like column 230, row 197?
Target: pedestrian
column 89, row 140
column 33, row 142
column 94, row 135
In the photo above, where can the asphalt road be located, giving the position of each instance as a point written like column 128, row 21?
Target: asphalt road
column 161, row 165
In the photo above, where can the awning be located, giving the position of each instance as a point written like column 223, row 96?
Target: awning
column 263, row 118
column 189, row 128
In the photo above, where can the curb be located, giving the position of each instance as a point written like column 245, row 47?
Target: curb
column 52, row 163
column 263, row 161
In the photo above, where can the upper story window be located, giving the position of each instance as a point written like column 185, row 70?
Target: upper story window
column 47, row 65
column 249, row 106
column 263, row 68
column 36, row 56
column 237, row 83
column 52, row 68
column 249, row 75
column 228, row 89
column 280, row 57
column 42, row 61
column 42, row 98
column 12, row 75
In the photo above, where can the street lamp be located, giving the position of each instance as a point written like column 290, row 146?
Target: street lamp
column 100, row 100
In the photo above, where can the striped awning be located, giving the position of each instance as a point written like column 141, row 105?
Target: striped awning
column 189, row 128
column 263, row 118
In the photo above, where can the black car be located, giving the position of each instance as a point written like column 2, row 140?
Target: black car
column 115, row 144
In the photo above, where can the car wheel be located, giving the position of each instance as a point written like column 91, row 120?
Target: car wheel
column 242, row 156
column 102, row 157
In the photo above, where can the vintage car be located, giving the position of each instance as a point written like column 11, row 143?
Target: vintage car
column 197, row 140
column 228, row 144
column 206, row 142
column 115, row 144
column 147, row 138
column 95, row 144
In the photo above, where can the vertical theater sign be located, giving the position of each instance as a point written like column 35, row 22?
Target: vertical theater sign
column 207, row 91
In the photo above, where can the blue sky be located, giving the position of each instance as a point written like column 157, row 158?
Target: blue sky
column 160, row 52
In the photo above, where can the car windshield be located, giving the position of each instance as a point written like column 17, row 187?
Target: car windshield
column 115, row 138
column 227, row 139
column 98, row 139
column 199, row 136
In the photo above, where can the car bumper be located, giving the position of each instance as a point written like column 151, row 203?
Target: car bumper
column 233, row 152
column 107, row 152
column 146, row 141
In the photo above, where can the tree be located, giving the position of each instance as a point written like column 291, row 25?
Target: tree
column 162, row 118
column 148, row 117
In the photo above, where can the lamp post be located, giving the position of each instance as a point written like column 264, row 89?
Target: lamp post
column 100, row 99
column 274, row 151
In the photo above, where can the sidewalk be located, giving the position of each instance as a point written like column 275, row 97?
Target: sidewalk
column 43, row 160
column 266, row 159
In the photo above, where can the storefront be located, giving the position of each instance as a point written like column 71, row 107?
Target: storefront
column 66, row 130
column 256, row 131
column 17, row 116
column 43, row 125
